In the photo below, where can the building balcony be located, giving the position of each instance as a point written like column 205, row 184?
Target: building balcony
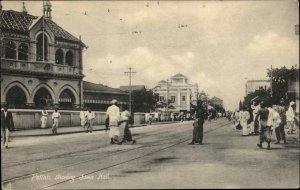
column 46, row 69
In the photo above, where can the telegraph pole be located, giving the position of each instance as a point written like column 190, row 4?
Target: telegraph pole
column 44, row 9
column 130, row 72
column 271, row 82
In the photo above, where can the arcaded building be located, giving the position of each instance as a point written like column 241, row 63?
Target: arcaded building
column 41, row 63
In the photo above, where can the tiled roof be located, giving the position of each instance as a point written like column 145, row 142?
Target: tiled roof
column 133, row 87
column 22, row 22
column 18, row 21
column 59, row 32
column 162, row 81
column 100, row 88
column 179, row 75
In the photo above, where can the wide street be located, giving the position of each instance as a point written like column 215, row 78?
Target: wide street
column 161, row 158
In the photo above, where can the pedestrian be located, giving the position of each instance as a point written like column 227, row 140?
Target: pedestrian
column 201, row 115
column 90, row 121
column 113, row 112
column 265, row 130
column 7, row 125
column 244, row 116
column 83, row 118
column 55, row 119
column 126, row 135
column 255, row 111
column 156, row 116
column 172, row 116
column 44, row 118
column 251, row 120
column 290, row 117
column 279, row 131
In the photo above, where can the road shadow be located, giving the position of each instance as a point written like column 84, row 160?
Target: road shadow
column 163, row 160
column 134, row 171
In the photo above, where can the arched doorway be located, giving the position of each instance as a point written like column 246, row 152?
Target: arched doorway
column 16, row 98
column 39, row 48
column 66, row 99
column 42, row 98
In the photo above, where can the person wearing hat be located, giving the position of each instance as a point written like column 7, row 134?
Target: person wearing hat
column 290, row 117
column 113, row 113
column 7, row 124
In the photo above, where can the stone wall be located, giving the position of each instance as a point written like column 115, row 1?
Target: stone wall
column 30, row 119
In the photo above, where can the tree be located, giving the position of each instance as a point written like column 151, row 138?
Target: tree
column 143, row 100
column 280, row 82
column 240, row 105
column 260, row 94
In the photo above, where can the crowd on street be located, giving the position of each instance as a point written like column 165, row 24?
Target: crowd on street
column 263, row 118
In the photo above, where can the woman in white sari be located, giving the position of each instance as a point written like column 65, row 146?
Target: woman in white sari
column 44, row 118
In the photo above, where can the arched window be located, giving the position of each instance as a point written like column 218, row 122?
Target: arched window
column 23, row 52
column 16, row 97
column 69, row 58
column 10, row 50
column 39, row 48
column 59, row 57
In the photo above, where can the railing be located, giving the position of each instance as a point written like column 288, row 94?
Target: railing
column 44, row 67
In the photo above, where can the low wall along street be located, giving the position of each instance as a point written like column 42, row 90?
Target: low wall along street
column 31, row 119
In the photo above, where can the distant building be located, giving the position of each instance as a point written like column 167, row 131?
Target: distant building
column 178, row 91
column 98, row 96
column 216, row 101
column 252, row 85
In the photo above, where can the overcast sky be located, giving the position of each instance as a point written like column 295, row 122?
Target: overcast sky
column 224, row 44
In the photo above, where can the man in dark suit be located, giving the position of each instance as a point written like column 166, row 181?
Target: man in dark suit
column 201, row 115
column 7, row 125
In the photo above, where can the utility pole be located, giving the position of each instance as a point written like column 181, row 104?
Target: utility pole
column 44, row 9
column 271, row 86
column 130, row 72
column 167, row 95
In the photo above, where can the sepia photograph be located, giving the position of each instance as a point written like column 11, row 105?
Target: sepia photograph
column 157, row 94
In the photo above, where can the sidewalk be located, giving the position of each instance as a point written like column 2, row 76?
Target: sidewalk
column 68, row 130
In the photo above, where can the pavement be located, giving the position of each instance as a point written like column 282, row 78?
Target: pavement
column 70, row 130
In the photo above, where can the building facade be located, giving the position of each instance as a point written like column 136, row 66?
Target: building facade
column 252, row 85
column 216, row 101
column 98, row 97
column 178, row 91
column 41, row 63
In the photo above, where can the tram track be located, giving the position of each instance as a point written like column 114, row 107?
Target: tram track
column 142, row 145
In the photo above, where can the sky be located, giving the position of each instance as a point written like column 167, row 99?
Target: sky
column 221, row 46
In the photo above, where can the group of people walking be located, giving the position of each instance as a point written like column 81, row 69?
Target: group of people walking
column 119, row 132
column 263, row 118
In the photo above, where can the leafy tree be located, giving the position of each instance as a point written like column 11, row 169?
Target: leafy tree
column 261, row 94
column 280, row 82
column 240, row 105
column 143, row 100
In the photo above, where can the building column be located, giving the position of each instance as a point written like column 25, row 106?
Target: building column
column 188, row 100
column 178, row 99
